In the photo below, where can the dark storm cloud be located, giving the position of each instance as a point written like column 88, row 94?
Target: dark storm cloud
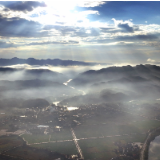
column 19, row 27
column 23, row 6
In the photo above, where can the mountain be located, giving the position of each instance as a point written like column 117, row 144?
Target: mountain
column 115, row 84
column 45, row 74
column 135, row 74
column 28, row 74
column 27, row 89
column 54, row 62
column 97, row 98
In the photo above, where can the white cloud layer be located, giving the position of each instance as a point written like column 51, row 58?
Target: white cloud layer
column 62, row 31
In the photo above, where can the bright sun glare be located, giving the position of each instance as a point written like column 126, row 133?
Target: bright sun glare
column 63, row 12
column 58, row 11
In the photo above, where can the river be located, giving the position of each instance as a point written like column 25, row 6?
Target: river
column 154, row 149
column 66, row 83
column 69, row 108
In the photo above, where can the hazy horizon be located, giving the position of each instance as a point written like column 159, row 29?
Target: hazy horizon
column 83, row 31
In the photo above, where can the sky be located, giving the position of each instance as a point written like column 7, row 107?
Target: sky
column 116, row 32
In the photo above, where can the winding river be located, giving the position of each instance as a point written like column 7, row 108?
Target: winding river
column 71, row 107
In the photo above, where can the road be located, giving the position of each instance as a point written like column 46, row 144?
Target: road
column 144, row 147
column 76, row 143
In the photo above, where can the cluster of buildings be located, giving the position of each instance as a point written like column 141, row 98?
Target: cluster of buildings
column 129, row 150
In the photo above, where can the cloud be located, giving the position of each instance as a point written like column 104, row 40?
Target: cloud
column 74, row 31
column 24, row 6
column 20, row 27
column 86, row 32
column 140, row 37
column 125, row 25
column 150, row 60
column 62, row 29
column 90, row 4
column 4, row 44
column 125, row 39
column 53, row 42
column 87, row 12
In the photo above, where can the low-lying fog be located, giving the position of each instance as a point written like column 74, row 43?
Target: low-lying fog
column 69, row 71
column 99, row 83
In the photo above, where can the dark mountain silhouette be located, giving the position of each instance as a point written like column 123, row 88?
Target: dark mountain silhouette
column 54, row 62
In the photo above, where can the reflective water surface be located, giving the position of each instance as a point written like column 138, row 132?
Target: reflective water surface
column 71, row 108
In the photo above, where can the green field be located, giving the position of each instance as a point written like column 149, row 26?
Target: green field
column 105, row 130
column 100, row 148
column 144, row 126
column 103, row 149
column 35, row 138
column 8, row 142
column 64, row 134
column 64, row 147
column 30, row 153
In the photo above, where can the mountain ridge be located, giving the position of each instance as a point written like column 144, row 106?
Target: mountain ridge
column 138, row 72
column 54, row 62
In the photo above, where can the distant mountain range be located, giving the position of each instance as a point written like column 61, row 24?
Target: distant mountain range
column 54, row 62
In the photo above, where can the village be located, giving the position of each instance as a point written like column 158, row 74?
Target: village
column 57, row 123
